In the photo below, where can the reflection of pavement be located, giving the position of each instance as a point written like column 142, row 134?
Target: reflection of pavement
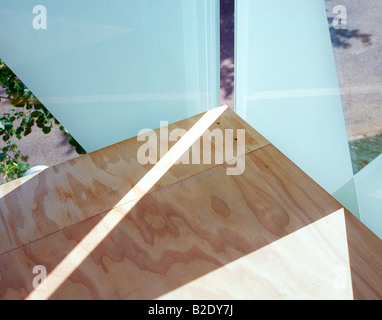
column 358, row 56
column 43, row 149
column 227, row 27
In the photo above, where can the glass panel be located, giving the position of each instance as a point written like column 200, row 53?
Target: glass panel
column 312, row 87
column 369, row 191
column 121, row 65
column 286, row 85
column 347, row 195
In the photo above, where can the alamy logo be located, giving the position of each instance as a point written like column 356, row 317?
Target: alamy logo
column 224, row 143
column 340, row 21
column 38, row 281
column 40, row 21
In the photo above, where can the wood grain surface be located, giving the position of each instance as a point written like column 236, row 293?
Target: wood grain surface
column 271, row 233
column 34, row 207
column 106, row 227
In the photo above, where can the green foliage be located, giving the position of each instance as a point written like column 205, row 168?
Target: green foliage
column 12, row 163
column 28, row 113
column 364, row 151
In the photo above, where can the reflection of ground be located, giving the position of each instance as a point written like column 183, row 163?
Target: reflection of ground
column 227, row 27
column 42, row 149
column 365, row 150
column 358, row 55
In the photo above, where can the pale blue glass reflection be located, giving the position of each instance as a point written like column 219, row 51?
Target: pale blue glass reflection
column 369, row 191
column 120, row 65
column 286, row 85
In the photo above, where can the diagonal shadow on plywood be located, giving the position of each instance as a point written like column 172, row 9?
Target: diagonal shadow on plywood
column 34, row 207
column 185, row 231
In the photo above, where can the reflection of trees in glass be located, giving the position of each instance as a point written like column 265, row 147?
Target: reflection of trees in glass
column 28, row 113
column 364, row 151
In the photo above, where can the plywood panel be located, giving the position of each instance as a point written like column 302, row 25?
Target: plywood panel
column 365, row 259
column 34, row 207
column 269, row 233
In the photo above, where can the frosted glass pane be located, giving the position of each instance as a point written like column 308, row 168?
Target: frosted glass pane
column 120, row 66
column 369, row 190
column 347, row 196
column 286, row 85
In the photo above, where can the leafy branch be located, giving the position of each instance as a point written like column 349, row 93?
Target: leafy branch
column 28, row 113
